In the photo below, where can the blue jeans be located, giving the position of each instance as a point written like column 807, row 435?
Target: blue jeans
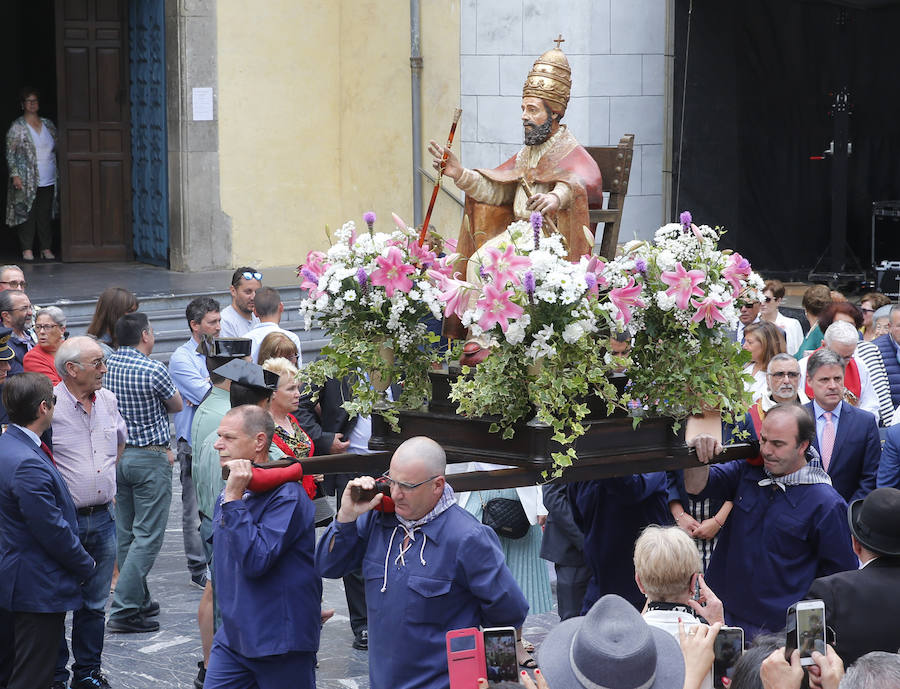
column 143, row 496
column 97, row 532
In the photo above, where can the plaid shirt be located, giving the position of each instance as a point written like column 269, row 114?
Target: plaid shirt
column 141, row 385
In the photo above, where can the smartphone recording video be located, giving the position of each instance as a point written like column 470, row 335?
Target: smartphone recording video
column 728, row 649
column 810, row 629
column 500, row 655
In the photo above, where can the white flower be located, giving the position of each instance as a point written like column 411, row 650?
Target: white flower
column 515, row 333
column 349, row 295
column 573, row 332
column 664, row 301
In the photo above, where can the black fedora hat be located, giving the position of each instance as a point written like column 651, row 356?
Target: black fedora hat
column 875, row 521
column 224, row 347
column 611, row 646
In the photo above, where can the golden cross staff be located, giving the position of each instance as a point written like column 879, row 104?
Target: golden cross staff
column 437, row 184
column 530, row 192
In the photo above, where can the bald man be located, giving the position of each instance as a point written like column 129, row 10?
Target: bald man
column 429, row 567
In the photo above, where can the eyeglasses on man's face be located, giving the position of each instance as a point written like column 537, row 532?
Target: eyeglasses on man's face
column 93, row 363
column 785, row 374
column 14, row 284
column 46, row 326
column 405, row 486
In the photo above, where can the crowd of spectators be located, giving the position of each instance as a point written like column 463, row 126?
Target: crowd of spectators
column 649, row 568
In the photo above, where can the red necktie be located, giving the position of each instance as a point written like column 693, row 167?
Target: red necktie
column 47, row 452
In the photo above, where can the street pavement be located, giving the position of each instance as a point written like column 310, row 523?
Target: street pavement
column 168, row 658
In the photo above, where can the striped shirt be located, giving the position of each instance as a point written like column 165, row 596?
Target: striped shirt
column 141, row 385
column 871, row 356
column 85, row 445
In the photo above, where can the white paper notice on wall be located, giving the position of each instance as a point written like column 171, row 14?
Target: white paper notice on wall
column 202, row 101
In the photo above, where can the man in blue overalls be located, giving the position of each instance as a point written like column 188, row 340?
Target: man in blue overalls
column 429, row 567
column 266, row 583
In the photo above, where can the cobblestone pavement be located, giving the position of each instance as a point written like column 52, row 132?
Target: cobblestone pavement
column 168, row 658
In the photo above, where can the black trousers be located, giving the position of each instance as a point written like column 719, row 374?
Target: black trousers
column 571, row 587
column 7, row 645
column 354, row 584
column 38, row 218
column 37, row 645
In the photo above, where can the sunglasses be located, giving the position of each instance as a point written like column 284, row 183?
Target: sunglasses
column 255, row 275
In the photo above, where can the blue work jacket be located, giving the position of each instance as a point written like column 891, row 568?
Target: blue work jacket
column 266, row 582
column 454, row 577
column 774, row 544
column 42, row 561
column 612, row 512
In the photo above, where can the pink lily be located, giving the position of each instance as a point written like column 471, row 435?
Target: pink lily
column 391, row 273
column 454, row 292
column 421, row 254
column 625, row 298
column 450, row 245
column 708, row 310
column 596, row 267
column 683, row 283
column 399, row 222
column 311, row 271
column 738, row 269
column 502, row 267
column 497, row 308
column 444, row 265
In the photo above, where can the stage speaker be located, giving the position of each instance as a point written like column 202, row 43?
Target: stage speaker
column 888, row 281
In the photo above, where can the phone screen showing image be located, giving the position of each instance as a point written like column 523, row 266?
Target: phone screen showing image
column 500, row 655
column 810, row 629
column 728, row 649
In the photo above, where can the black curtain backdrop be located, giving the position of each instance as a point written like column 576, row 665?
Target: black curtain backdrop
column 759, row 79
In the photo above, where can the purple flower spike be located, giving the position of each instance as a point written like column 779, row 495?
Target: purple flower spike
column 591, row 280
column 537, row 222
column 528, row 283
column 369, row 218
column 309, row 275
column 482, row 273
column 362, row 278
column 640, row 265
column 686, row 220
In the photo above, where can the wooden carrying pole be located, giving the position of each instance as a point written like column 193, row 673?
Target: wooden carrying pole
column 437, row 184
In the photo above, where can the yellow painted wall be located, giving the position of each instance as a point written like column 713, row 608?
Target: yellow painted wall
column 315, row 121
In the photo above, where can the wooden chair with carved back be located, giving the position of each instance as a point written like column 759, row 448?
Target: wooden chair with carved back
column 615, row 166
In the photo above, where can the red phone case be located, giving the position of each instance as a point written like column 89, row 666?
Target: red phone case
column 466, row 667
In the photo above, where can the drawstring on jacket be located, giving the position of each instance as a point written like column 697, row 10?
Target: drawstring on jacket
column 400, row 560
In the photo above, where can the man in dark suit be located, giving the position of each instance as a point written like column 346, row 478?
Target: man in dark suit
column 42, row 561
column 563, row 545
column 863, row 605
column 846, row 437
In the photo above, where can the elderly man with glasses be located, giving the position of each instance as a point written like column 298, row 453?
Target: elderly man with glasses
column 429, row 567
column 17, row 313
column 88, row 438
column 12, row 277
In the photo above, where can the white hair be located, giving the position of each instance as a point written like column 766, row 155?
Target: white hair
column 841, row 332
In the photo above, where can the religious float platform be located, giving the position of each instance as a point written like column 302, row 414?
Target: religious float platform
column 611, row 446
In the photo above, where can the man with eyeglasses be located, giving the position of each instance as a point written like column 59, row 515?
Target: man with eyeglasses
column 89, row 436
column 12, row 277
column 16, row 313
column 43, row 561
column 429, row 567
column 238, row 317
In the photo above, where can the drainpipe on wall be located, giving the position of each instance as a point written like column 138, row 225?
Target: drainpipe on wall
column 415, row 65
